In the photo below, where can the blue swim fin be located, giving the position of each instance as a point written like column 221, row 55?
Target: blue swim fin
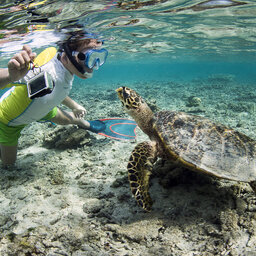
column 115, row 128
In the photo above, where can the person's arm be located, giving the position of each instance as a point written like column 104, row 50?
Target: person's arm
column 78, row 110
column 18, row 66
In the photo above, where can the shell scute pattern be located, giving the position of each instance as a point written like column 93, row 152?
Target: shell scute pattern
column 208, row 146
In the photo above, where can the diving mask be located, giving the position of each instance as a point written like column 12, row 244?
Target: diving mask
column 93, row 58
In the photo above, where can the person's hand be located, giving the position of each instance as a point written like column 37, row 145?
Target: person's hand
column 18, row 66
column 79, row 112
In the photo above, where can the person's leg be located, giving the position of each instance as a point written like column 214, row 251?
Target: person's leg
column 8, row 155
column 64, row 118
column 9, row 137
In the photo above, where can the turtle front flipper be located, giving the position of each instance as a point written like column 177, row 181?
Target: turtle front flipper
column 139, row 169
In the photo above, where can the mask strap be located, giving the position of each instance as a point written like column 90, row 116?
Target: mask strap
column 71, row 58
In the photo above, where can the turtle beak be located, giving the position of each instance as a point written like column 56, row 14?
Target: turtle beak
column 119, row 93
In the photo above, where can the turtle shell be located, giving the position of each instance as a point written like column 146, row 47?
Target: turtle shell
column 206, row 146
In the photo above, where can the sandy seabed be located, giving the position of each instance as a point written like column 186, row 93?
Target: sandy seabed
column 69, row 193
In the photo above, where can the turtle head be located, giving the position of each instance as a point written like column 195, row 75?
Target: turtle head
column 130, row 99
column 136, row 107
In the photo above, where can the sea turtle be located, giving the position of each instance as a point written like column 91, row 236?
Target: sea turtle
column 193, row 141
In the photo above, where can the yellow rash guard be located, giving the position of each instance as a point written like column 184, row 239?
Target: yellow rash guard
column 17, row 109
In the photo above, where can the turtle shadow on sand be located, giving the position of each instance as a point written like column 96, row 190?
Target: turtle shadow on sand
column 189, row 196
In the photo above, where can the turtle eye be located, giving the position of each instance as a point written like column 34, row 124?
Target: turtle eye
column 125, row 95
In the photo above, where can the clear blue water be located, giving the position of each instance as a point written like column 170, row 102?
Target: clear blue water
column 130, row 71
column 148, row 41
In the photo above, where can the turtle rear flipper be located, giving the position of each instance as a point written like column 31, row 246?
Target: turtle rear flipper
column 139, row 169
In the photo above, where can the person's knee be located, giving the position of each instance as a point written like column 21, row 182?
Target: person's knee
column 8, row 163
column 8, row 155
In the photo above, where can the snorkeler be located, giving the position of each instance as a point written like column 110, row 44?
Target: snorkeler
column 21, row 105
